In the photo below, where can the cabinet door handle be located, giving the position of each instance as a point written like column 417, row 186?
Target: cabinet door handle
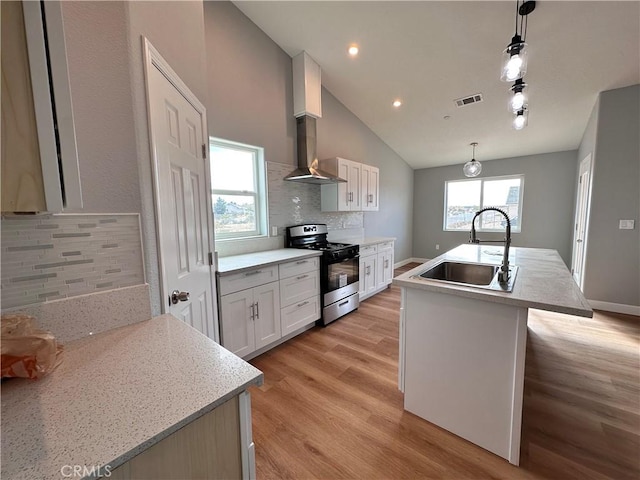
column 386, row 264
column 253, row 313
column 302, row 304
column 301, row 277
column 255, row 272
column 257, row 311
column 368, row 269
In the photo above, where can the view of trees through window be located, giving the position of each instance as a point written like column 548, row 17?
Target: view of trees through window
column 237, row 181
column 463, row 198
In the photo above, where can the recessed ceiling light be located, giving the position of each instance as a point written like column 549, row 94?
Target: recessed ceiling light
column 353, row 50
column 396, row 103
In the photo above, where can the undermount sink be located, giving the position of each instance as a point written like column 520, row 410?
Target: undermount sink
column 479, row 275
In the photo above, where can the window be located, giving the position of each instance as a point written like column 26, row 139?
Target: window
column 463, row 198
column 237, row 189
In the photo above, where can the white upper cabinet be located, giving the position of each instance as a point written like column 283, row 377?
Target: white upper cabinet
column 349, row 196
column 370, row 187
column 39, row 155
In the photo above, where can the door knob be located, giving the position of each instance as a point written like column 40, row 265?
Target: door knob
column 178, row 296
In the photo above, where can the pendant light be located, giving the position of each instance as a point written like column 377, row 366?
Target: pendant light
column 473, row 167
column 519, row 98
column 521, row 119
column 514, row 57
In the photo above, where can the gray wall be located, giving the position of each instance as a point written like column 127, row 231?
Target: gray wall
column 547, row 216
column 251, row 101
column 341, row 133
column 105, row 58
column 612, row 268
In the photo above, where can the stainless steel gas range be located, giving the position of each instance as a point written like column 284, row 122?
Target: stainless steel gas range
column 339, row 269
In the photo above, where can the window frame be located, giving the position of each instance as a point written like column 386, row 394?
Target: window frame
column 514, row 229
column 259, row 193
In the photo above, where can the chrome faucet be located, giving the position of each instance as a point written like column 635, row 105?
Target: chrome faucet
column 503, row 275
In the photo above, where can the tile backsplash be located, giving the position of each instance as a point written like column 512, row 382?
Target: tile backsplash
column 48, row 257
column 290, row 203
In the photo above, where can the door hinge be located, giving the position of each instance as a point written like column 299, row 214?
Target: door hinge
column 211, row 258
column 204, row 150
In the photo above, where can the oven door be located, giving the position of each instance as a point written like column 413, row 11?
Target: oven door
column 340, row 279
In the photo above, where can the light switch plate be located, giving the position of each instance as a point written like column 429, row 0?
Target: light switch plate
column 627, row 224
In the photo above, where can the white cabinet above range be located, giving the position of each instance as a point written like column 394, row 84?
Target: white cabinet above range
column 359, row 193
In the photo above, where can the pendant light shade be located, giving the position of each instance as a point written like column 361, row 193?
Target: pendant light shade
column 521, row 119
column 518, row 100
column 514, row 60
column 472, row 168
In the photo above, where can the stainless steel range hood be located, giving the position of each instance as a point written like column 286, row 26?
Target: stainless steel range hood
column 307, row 106
column 308, row 170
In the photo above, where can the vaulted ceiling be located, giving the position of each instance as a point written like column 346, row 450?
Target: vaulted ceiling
column 429, row 53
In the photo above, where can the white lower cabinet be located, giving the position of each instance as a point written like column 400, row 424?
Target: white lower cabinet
column 376, row 268
column 385, row 264
column 251, row 318
column 368, row 272
column 258, row 307
column 299, row 294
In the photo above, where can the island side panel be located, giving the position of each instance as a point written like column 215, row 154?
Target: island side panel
column 464, row 367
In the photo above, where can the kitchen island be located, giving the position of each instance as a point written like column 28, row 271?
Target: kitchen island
column 155, row 399
column 462, row 348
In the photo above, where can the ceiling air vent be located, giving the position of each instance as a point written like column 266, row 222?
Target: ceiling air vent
column 463, row 102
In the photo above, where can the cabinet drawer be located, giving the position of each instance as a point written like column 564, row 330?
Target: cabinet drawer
column 368, row 250
column 300, row 314
column 385, row 246
column 296, row 267
column 298, row 288
column 251, row 278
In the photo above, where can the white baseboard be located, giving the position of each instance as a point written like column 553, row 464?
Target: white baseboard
column 615, row 307
column 410, row 260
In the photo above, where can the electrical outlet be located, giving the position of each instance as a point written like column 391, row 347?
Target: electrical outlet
column 627, row 224
column 437, row 246
column 274, row 231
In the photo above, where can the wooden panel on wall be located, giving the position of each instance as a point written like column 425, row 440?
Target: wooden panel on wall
column 22, row 187
column 208, row 447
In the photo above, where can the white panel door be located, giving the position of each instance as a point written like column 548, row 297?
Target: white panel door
column 581, row 221
column 267, row 314
column 177, row 130
column 238, row 327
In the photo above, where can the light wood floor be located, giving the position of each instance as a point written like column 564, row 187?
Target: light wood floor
column 330, row 407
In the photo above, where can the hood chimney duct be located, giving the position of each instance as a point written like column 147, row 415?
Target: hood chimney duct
column 307, row 107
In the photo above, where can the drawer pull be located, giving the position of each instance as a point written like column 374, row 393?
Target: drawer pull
column 255, row 272
column 302, row 304
column 300, row 262
column 301, row 277
column 343, row 303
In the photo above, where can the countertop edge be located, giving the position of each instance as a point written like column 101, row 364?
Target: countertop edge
column 489, row 296
column 124, row 458
column 265, row 263
column 405, row 280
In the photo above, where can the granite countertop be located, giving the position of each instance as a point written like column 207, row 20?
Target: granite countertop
column 240, row 263
column 114, row 395
column 543, row 281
